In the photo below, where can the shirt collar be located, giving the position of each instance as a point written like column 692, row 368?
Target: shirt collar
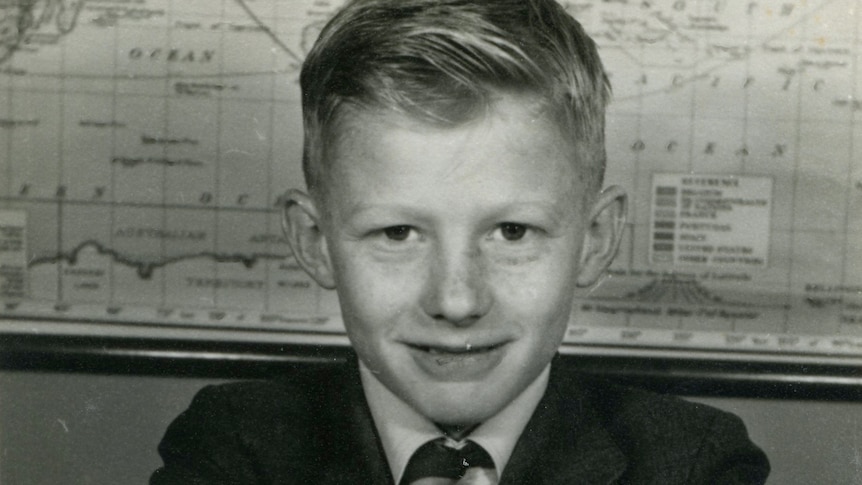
column 402, row 430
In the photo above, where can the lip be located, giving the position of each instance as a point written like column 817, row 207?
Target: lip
column 455, row 349
column 457, row 363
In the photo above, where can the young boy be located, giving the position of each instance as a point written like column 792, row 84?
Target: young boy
column 454, row 154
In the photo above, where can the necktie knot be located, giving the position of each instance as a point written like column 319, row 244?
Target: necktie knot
column 436, row 459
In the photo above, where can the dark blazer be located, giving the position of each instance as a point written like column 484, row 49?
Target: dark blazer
column 314, row 427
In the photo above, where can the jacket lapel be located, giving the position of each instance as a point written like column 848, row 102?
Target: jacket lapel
column 358, row 453
column 564, row 442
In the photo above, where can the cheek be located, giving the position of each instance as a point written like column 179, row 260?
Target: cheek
column 371, row 290
column 541, row 311
column 538, row 283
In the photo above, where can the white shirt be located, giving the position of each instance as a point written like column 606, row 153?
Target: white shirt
column 402, row 429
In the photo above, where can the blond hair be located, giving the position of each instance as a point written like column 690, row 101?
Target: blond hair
column 443, row 62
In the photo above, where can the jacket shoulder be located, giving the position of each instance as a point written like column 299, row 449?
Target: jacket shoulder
column 300, row 390
column 669, row 437
column 240, row 432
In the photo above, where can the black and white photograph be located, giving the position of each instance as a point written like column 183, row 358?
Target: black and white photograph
column 417, row 242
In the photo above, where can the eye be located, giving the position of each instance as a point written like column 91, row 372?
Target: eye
column 397, row 233
column 512, row 231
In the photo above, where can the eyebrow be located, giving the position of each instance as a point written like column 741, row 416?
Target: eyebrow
column 554, row 210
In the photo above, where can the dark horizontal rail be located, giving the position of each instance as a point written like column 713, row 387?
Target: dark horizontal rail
column 240, row 360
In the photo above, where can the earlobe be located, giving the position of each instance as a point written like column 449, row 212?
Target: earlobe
column 602, row 237
column 301, row 225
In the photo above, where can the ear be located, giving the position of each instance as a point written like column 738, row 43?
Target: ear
column 301, row 224
column 603, row 235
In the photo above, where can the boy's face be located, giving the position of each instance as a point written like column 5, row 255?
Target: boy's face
column 456, row 253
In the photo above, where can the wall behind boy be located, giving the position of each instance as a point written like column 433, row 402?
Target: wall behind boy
column 103, row 430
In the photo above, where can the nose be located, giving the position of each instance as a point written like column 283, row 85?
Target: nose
column 457, row 289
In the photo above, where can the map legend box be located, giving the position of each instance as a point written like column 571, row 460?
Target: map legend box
column 710, row 220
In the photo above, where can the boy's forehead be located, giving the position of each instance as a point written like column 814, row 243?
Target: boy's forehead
column 351, row 122
column 360, row 133
column 510, row 139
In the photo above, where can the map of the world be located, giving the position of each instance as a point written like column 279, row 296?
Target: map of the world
column 145, row 146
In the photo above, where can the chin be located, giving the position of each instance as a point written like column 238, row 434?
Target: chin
column 463, row 412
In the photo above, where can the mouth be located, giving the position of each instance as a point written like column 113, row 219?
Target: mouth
column 458, row 363
column 466, row 349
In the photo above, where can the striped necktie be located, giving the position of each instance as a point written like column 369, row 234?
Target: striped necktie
column 435, row 463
